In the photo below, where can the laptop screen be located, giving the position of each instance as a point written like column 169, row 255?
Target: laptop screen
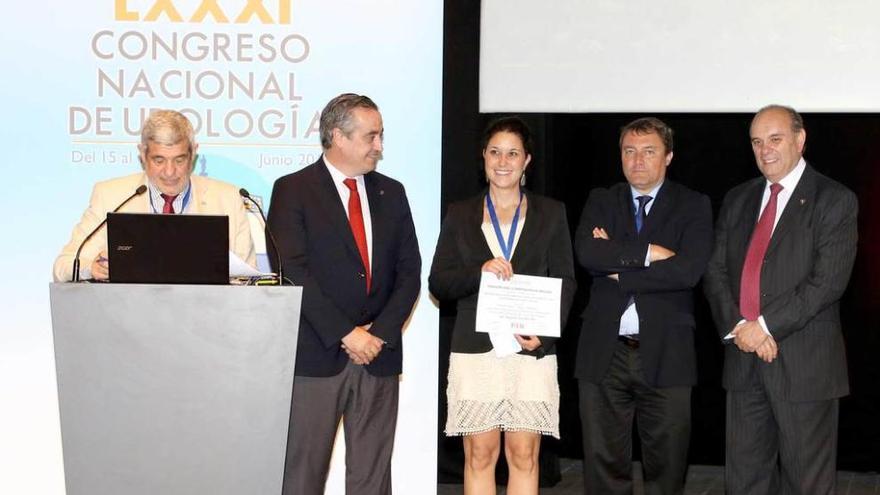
column 168, row 249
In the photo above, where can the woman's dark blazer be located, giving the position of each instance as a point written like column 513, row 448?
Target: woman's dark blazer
column 544, row 249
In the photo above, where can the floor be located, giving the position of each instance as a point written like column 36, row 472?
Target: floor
column 701, row 480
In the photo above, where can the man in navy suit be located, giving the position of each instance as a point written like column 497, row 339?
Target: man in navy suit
column 646, row 243
column 784, row 248
column 346, row 235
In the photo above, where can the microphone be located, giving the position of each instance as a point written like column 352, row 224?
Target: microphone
column 137, row 192
column 246, row 195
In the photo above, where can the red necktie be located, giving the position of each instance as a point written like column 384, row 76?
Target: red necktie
column 750, row 283
column 356, row 220
column 168, row 209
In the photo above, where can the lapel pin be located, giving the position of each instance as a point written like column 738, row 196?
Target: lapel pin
column 382, row 192
column 803, row 201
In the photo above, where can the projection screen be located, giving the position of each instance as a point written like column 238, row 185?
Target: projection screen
column 707, row 56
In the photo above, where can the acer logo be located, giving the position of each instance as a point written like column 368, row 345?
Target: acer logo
column 280, row 14
column 124, row 248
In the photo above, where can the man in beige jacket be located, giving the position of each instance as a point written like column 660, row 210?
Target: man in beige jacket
column 167, row 151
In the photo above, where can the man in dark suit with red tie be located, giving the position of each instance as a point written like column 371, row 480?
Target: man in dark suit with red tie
column 346, row 235
column 784, row 248
column 646, row 243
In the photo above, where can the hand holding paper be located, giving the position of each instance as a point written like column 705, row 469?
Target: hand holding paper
column 522, row 305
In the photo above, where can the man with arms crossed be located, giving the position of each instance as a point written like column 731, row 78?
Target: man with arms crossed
column 646, row 243
column 784, row 248
column 167, row 153
column 346, row 235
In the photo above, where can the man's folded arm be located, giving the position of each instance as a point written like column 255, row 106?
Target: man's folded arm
column 683, row 270
column 605, row 256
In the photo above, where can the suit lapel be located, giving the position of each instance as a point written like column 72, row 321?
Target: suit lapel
column 379, row 223
column 662, row 205
column 746, row 225
column 141, row 204
column 627, row 206
column 328, row 197
column 198, row 193
column 475, row 237
column 531, row 229
column 801, row 198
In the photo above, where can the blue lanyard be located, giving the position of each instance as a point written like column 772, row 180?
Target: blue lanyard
column 506, row 246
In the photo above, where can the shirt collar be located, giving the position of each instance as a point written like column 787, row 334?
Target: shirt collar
column 790, row 181
column 156, row 194
column 337, row 175
column 652, row 193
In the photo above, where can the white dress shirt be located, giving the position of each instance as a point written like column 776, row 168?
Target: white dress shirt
column 788, row 183
column 344, row 193
column 629, row 321
column 180, row 203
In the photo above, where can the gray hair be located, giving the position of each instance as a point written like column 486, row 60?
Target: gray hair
column 167, row 127
column 337, row 115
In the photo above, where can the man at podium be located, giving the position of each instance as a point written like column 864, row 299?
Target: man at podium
column 167, row 153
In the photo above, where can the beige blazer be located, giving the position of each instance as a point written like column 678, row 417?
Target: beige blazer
column 209, row 196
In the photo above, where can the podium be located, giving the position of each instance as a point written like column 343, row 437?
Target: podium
column 174, row 389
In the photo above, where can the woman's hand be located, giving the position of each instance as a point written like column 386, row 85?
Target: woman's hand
column 500, row 267
column 528, row 342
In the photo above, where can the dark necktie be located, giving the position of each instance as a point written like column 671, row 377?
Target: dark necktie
column 750, row 283
column 640, row 212
column 168, row 209
column 356, row 220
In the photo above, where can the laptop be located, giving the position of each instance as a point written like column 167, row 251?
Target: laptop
column 168, row 249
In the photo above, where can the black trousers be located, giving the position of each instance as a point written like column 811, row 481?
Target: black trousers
column 367, row 405
column 663, row 419
column 780, row 447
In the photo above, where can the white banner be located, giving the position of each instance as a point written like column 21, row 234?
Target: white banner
column 703, row 56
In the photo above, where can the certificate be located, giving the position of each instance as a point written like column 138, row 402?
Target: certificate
column 524, row 305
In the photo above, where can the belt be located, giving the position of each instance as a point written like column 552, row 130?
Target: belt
column 632, row 343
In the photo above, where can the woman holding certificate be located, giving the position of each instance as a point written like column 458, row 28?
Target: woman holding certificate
column 502, row 380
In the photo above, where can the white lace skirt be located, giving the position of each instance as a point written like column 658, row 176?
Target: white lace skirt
column 513, row 393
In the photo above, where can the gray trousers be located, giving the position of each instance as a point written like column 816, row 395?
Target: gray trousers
column 367, row 405
column 663, row 418
column 780, row 447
